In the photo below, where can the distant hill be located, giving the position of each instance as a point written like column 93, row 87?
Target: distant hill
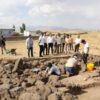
column 53, row 28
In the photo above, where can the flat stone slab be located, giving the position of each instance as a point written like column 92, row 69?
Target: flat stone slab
column 84, row 80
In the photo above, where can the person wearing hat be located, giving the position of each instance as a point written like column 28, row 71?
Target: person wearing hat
column 52, row 69
column 29, row 44
column 70, row 65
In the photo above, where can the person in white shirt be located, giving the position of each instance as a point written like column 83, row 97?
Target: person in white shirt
column 70, row 66
column 85, row 51
column 45, row 44
column 50, row 43
column 85, row 54
column 29, row 44
column 59, row 43
column 77, row 43
column 41, row 45
column 52, row 69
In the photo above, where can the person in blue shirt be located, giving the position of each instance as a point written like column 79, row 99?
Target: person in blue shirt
column 29, row 44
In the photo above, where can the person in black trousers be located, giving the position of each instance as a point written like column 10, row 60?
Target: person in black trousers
column 41, row 45
column 2, row 44
column 45, row 52
column 50, row 43
column 77, row 44
column 85, row 53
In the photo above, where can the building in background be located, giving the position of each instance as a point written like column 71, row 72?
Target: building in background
column 27, row 33
column 5, row 31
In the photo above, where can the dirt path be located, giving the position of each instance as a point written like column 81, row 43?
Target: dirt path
column 90, row 94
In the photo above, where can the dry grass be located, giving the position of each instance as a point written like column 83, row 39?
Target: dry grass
column 93, row 38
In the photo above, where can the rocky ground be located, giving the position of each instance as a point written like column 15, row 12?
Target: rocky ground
column 19, row 82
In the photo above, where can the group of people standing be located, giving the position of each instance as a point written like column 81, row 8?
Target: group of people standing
column 58, row 43
column 55, row 43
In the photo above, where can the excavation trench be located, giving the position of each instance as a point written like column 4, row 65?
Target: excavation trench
column 19, row 82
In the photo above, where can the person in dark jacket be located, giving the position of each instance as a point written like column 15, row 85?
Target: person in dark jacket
column 2, row 44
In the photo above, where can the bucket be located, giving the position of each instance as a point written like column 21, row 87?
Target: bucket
column 90, row 67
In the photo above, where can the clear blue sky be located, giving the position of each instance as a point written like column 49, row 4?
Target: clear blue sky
column 63, row 13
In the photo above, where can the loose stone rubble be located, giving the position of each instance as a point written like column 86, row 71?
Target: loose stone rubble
column 19, row 82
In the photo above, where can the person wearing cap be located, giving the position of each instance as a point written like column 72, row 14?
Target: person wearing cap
column 52, row 69
column 70, row 65
column 29, row 44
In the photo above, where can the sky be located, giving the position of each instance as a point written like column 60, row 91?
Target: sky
column 83, row 14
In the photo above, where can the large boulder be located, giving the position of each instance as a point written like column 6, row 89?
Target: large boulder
column 46, row 93
column 53, row 80
column 30, row 82
column 39, row 82
column 35, row 63
column 8, row 68
column 15, row 92
column 4, row 87
column 18, row 64
column 95, row 74
column 4, row 95
column 4, row 62
column 31, row 89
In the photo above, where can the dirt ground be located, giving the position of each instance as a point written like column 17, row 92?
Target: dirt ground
column 92, row 37
column 90, row 94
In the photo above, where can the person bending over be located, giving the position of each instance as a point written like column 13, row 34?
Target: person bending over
column 71, row 64
column 52, row 69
